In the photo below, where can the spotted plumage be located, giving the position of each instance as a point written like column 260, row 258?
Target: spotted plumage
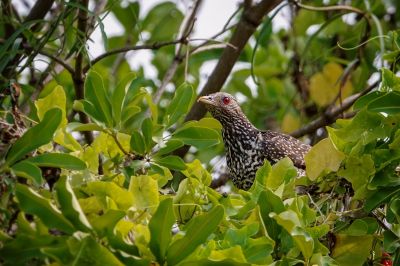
column 247, row 147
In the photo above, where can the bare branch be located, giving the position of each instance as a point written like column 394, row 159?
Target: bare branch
column 153, row 46
column 332, row 114
column 78, row 76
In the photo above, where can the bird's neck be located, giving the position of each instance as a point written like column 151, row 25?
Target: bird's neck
column 238, row 131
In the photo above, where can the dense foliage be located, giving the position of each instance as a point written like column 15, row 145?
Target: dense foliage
column 94, row 171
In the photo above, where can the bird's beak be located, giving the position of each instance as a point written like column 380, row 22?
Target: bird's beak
column 206, row 100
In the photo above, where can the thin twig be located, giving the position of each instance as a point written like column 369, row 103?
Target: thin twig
column 59, row 61
column 153, row 46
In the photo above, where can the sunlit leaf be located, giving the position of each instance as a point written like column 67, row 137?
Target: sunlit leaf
column 348, row 251
column 322, row 158
column 144, row 190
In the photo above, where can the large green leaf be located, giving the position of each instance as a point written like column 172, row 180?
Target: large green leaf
column 107, row 221
column 137, row 143
column 70, row 206
column 200, row 137
column 96, row 94
column 269, row 202
column 56, row 99
column 28, row 170
column 160, row 227
column 197, row 232
column 352, row 250
column 172, row 162
column 144, row 191
column 147, row 131
column 88, row 251
column 380, row 196
column 323, row 158
column 388, row 103
column 119, row 96
column 170, row 146
column 180, row 104
column 36, row 136
column 33, row 203
column 59, row 160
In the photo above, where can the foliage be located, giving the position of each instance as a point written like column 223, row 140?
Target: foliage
column 91, row 170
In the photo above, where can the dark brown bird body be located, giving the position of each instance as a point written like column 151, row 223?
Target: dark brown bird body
column 247, row 147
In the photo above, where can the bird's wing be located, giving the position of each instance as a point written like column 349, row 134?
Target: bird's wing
column 278, row 145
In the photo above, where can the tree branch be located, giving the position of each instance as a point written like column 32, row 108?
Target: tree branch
column 332, row 114
column 78, row 76
column 153, row 46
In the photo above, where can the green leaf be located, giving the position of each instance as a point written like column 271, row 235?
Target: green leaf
column 144, row 190
column 180, row 104
column 137, row 143
column 87, row 251
column 31, row 140
column 107, row 221
column 290, row 221
column 322, row 158
column 147, row 131
column 96, row 94
column 118, row 96
column 76, row 126
column 104, row 190
column 198, row 230
column 70, row 206
column 160, row 227
column 235, row 253
column 270, row 203
column 28, row 170
column 33, row 203
column 357, row 170
column 380, row 196
column 170, row 146
column 200, row 137
column 366, row 99
column 348, row 250
column 58, row 160
column 56, row 99
column 389, row 80
column 172, row 162
column 388, row 103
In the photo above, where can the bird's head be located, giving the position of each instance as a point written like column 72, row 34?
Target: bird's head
column 221, row 105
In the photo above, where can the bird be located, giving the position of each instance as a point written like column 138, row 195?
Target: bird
column 247, row 147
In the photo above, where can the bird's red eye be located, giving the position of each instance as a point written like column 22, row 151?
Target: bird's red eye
column 226, row 100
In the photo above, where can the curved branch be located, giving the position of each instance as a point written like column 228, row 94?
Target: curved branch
column 153, row 46
column 332, row 114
